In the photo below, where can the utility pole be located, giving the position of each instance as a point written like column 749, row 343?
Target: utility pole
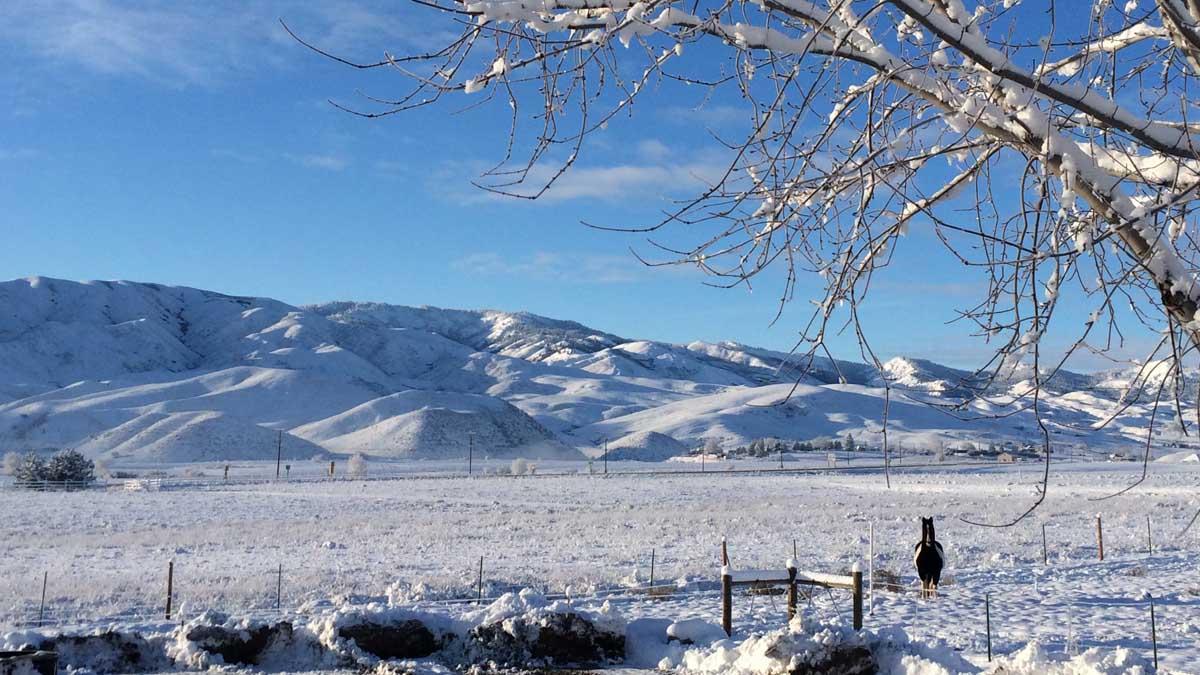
column 470, row 452
column 278, row 453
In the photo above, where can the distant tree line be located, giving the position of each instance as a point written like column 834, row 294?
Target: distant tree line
column 940, row 447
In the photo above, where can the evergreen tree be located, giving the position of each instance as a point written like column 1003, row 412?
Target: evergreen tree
column 71, row 466
column 31, row 469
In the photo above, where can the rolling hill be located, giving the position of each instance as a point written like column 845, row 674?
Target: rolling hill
column 144, row 372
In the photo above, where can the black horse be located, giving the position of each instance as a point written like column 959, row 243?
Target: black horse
column 929, row 560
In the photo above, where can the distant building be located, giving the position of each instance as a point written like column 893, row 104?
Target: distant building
column 1006, row 458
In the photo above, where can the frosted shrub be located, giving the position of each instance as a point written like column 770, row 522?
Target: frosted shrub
column 519, row 467
column 358, row 465
column 30, row 469
column 11, row 462
column 102, row 470
column 712, row 446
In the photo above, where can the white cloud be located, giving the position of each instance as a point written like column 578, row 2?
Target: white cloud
column 328, row 162
column 571, row 267
column 235, row 155
column 610, row 183
column 710, row 114
column 13, row 154
column 199, row 43
column 653, row 150
column 172, row 43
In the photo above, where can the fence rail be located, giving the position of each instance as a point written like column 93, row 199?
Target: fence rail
column 56, row 485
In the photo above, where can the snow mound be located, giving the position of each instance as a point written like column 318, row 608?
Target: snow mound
column 646, row 446
column 810, row 646
column 1033, row 659
column 695, row 631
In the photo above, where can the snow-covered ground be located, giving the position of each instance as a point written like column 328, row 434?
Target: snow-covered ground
column 417, row 542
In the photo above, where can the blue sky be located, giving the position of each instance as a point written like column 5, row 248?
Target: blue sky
column 192, row 144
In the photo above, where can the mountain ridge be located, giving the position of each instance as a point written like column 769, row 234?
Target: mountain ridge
column 99, row 365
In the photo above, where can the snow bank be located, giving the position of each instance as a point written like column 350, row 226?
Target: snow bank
column 807, row 645
column 531, row 606
column 526, row 630
column 1033, row 659
column 516, row 630
column 695, row 631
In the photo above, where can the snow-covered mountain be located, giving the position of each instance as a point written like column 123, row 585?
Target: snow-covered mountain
column 144, row 372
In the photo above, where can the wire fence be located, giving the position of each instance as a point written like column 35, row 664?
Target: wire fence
column 265, row 608
column 414, row 472
column 991, row 616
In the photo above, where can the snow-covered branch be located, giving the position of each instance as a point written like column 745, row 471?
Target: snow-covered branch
column 1071, row 138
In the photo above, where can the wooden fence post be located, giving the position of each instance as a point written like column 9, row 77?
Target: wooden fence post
column 987, row 618
column 1153, row 632
column 279, row 588
column 856, row 573
column 727, row 601
column 42, row 608
column 1149, row 539
column 791, row 600
column 331, row 468
column 871, row 570
column 651, row 568
column 1100, row 536
column 1045, row 550
column 170, row 585
column 479, row 584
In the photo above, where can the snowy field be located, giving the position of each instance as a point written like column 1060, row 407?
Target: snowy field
column 418, row 542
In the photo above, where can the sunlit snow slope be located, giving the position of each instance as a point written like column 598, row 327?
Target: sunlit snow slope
column 144, row 372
